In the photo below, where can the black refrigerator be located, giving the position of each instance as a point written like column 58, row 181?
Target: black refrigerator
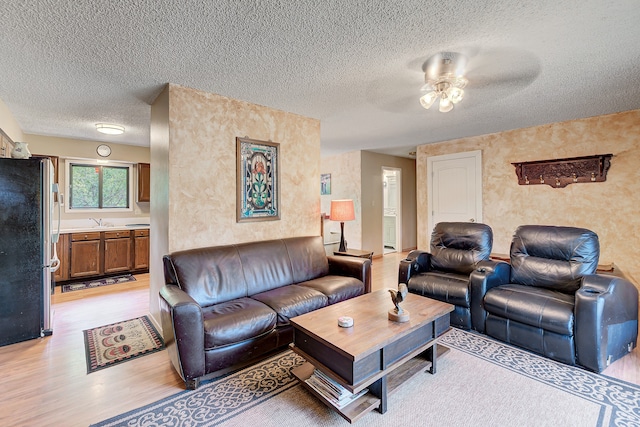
column 26, row 247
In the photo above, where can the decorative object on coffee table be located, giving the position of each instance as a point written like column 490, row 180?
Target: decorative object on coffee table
column 118, row 342
column 397, row 314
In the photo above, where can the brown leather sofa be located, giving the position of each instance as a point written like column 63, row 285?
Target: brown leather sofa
column 225, row 307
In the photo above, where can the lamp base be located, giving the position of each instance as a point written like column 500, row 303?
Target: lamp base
column 343, row 243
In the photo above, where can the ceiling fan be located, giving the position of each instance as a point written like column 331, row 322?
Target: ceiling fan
column 480, row 77
column 444, row 78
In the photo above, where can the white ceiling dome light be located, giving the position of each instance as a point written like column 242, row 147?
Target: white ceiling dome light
column 444, row 79
column 109, row 129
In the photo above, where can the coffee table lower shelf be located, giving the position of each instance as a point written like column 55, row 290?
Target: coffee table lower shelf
column 367, row 402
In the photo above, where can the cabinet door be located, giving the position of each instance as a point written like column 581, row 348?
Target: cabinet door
column 62, row 249
column 117, row 252
column 144, row 182
column 85, row 258
column 141, row 250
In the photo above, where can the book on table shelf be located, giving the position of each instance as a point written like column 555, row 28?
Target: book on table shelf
column 331, row 390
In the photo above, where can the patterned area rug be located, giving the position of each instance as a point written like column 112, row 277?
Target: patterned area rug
column 480, row 382
column 68, row 287
column 116, row 343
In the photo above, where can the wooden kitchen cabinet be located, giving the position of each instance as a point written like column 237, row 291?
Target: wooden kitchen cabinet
column 85, row 255
column 141, row 249
column 144, row 182
column 117, row 251
column 62, row 249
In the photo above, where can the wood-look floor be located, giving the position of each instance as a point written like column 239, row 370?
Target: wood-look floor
column 44, row 382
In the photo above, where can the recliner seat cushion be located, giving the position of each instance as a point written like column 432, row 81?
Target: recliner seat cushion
column 447, row 287
column 336, row 288
column 293, row 300
column 538, row 307
column 235, row 321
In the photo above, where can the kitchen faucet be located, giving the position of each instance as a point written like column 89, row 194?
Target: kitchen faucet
column 97, row 221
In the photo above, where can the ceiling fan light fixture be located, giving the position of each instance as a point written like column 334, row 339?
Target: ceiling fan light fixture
column 428, row 99
column 445, row 104
column 109, row 129
column 444, row 77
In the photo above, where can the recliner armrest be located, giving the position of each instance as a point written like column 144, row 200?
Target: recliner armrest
column 487, row 275
column 359, row 268
column 183, row 332
column 417, row 261
column 606, row 319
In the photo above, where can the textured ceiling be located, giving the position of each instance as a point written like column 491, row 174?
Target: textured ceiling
column 355, row 65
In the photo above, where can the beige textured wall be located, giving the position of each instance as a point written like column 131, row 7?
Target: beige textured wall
column 84, row 149
column 193, row 173
column 372, row 196
column 9, row 124
column 345, row 170
column 610, row 208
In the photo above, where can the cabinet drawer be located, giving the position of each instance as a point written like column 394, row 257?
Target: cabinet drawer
column 92, row 235
column 116, row 234
column 141, row 233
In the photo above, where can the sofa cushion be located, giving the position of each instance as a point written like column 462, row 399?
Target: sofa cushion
column 235, row 321
column 539, row 307
column 209, row 275
column 265, row 265
column 553, row 257
column 447, row 287
column 336, row 288
column 293, row 300
column 308, row 258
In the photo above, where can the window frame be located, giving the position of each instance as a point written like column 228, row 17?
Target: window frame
column 98, row 163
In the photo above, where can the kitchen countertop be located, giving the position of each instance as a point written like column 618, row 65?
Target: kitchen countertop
column 121, row 227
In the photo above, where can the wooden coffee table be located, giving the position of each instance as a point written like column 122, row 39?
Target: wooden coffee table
column 374, row 353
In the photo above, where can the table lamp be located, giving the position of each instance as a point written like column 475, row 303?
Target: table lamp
column 342, row 210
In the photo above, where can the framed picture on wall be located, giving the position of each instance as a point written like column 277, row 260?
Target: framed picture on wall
column 258, row 180
column 325, row 184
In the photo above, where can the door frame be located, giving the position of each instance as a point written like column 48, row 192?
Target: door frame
column 398, row 172
column 477, row 155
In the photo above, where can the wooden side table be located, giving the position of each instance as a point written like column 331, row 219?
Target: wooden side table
column 355, row 252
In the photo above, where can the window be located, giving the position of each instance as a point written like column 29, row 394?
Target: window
column 99, row 186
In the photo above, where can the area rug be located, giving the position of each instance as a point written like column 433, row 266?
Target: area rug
column 78, row 286
column 119, row 342
column 480, row 382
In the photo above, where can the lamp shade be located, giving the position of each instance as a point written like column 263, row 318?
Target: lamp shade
column 342, row 210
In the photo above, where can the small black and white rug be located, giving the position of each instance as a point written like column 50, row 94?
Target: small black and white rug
column 78, row 286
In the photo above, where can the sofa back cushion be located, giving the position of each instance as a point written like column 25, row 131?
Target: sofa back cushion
column 459, row 246
column 553, row 257
column 265, row 265
column 222, row 273
column 308, row 258
column 209, row 275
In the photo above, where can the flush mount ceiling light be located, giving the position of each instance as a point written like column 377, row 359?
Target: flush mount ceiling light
column 109, row 129
column 444, row 79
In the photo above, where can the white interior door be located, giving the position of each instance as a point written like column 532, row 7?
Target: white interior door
column 454, row 188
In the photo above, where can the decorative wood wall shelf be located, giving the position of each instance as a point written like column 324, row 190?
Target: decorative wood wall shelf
column 559, row 173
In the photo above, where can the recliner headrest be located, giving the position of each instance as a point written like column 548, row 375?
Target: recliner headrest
column 459, row 246
column 553, row 257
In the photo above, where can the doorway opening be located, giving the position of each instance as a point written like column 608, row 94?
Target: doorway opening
column 392, row 212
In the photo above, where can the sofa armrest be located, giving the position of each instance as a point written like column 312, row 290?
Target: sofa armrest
column 360, row 268
column 487, row 275
column 416, row 262
column 183, row 332
column 606, row 320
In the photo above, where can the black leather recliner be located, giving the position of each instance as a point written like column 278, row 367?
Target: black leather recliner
column 549, row 301
column 456, row 250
